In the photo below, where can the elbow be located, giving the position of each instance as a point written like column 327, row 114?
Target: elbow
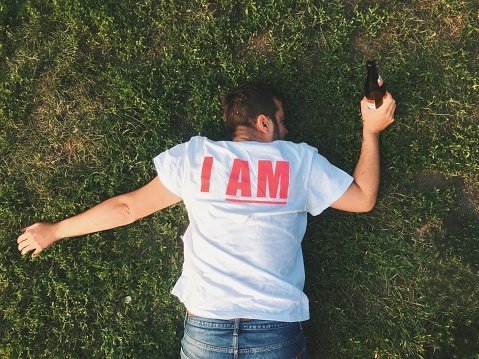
column 368, row 204
column 367, row 208
column 127, row 214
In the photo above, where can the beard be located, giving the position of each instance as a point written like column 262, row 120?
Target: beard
column 276, row 134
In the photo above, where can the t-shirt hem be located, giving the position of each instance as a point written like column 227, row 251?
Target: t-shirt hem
column 344, row 186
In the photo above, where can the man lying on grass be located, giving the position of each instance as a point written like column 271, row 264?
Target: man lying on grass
column 247, row 201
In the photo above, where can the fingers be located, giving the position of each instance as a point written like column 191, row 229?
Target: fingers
column 364, row 104
column 388, row 96
column 27, row 244
column 24, row 235
column 391, row 108
column 22, row 238
column 24, row 245
column 388, row 107
column 27, row 249
column 390, row 103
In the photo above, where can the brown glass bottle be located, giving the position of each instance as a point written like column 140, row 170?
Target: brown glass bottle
column 374, row 88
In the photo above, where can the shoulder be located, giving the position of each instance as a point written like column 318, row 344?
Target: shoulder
column 301, row 147
column 194, row 142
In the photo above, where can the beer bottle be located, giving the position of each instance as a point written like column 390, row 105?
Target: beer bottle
column 374, row 88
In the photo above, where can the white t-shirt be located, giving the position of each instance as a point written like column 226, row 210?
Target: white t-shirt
column 247, row 204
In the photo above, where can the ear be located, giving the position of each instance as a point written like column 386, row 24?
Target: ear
column 264, row 124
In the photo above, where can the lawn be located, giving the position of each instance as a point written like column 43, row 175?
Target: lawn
column 91, row 91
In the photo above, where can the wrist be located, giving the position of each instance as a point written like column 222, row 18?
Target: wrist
column 56, row 232
column 370, row 135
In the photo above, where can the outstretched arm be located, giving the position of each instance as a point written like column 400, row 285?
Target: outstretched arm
column 114, row 212
column 361, row 194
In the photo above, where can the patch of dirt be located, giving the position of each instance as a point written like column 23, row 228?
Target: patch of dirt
column 425, row 5
column 372, row 48
column 470, row 197
column 431, row 180
column 467, row 198
column 452, row 26
column 445, row 22
column 258, row 44
column 73, row 150
column 428, row 228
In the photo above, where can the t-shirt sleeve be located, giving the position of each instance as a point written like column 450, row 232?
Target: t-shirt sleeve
column 170, row 166
column 325, row 185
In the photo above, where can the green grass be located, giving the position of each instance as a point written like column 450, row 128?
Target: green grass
column 91, row 91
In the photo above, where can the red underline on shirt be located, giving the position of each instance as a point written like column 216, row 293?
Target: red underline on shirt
column 253, row 201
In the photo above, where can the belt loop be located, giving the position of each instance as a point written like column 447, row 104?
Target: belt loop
column 235, row 337
column 184, row 320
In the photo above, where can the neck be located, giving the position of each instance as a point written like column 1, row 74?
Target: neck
column 248, row 134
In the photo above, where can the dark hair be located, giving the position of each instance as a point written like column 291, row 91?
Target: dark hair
column 243, row 105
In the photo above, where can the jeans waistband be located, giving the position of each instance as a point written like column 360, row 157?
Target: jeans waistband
column 241, row 322
column 191, row 315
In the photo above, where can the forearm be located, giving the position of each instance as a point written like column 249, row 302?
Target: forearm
column 366, row 173
column 113, row 212
column 362, row 193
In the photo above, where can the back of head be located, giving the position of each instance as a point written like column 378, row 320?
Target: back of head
column 244, row 104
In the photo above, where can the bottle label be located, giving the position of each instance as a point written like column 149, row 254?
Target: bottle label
column 371, row 104
column 380, row 81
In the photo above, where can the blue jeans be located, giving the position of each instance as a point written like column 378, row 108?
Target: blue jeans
column 244, row 339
